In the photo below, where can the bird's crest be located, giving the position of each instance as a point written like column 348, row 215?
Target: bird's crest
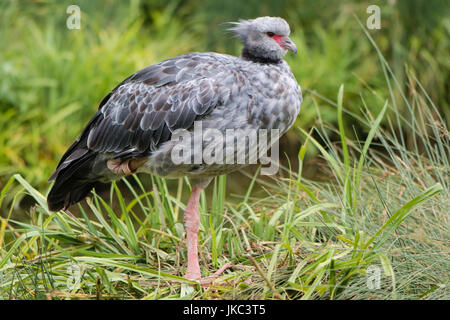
column 238, row 29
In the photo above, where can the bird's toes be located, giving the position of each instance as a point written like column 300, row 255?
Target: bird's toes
column 124, row 168
column 209, row 280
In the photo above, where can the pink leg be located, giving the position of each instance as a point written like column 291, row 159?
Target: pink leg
column 191, row 223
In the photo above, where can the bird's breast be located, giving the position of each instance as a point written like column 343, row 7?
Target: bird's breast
column 275, row 99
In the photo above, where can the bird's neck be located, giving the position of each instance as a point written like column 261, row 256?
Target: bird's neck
column 248, row 55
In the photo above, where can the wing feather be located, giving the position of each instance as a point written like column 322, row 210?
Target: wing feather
column 144, row 109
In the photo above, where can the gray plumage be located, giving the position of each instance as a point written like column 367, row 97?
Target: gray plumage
column 136, row 120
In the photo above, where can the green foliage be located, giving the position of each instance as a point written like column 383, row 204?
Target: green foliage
column 383, row 147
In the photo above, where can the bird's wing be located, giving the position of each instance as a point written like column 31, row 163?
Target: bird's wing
column 142, row 116
column 147, row 107
column 144, row 110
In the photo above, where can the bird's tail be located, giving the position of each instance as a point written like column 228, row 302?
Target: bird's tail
column 74, row 178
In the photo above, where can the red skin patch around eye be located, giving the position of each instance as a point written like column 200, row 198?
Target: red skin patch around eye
column 278, row 38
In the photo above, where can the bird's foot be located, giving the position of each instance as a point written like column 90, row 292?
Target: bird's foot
column 123, row 168
column 195, row 275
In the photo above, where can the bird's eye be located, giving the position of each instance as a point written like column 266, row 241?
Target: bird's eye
column 270, row 34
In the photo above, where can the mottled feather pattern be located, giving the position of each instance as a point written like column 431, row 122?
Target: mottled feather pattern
column 143, row 111
column 223, row 91
column 267, row 97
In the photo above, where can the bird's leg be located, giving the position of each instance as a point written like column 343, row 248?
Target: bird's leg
column 191, row 223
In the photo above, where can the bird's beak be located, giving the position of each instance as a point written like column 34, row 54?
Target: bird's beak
column 289, row 45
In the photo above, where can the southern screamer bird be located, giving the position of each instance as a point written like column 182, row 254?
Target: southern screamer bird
column 135, row 125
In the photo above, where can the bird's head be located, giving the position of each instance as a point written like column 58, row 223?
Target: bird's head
column 265, row 38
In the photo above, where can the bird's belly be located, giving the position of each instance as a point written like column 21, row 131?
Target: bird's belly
column 205, row 152
column 226, row 140
column 222, row 142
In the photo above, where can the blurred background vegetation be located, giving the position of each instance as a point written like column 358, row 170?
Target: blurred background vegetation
column 52, row 78
column 377, row 153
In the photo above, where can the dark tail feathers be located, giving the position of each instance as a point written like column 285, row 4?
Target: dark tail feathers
column 74, row 179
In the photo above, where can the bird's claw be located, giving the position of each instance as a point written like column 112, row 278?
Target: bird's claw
column 208, row 280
